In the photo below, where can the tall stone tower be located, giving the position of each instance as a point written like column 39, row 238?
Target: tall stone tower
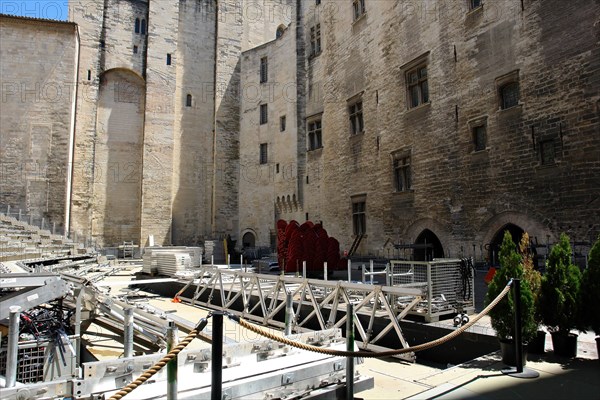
column 158, row 110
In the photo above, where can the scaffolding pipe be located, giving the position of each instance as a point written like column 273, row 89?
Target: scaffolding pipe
column 172, row 365
column 289, row 314
column 349, row 270
column 128, row 333
column 13, row 346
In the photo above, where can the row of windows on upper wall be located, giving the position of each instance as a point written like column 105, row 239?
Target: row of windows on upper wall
column 417, row 87
column 140, row 26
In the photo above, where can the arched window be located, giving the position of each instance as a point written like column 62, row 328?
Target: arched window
column 143, row 27
column 279, row 31
column 188, row 100
column 137, row 25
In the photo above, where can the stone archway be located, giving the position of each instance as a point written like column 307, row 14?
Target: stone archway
column 493, row 247
column 118, row 157
column 248, row 240
column 427, row 246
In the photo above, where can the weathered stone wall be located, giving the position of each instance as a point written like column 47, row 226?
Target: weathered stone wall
column 193, row 156
column 36, row 115
column 269, row 191
column 463, row 196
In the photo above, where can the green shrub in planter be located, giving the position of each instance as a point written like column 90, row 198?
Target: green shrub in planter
column 590, row 292
column 560, row 289
column 503, row 315
column 559, row 298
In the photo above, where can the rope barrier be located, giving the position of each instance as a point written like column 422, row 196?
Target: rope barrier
column 162, row 362
column 365, row 354
column 368, row 354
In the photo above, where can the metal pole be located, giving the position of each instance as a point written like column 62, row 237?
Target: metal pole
column 289, row 314
column 325, row 270
column 212, row 260
column 304, row 269
column 371, row 265
column 217, row 356
column 518, row 339
column 128, row 332
column 349, row 270
column 172, row 341
column 363, row 268
column 19, row 214
column 13, row 345
column 228, row 260
column 350, row 347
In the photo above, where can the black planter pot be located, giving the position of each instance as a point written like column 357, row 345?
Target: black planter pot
column 509, row 353
column 538, row 344
column 564, row 345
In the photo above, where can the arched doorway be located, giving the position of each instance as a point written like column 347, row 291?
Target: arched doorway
column 494, row 246
column 248, row 240
column 427, row 247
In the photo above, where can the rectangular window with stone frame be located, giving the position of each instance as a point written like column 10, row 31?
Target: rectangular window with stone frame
column 355, row 112
column 264, row 70
column 402, row 172
column 264, row 153
column 315, row 40
column 417, row 85
column 474, row 4
column 359, row 8
column 479, row 138
column 547, row 152
column 264, row 114
column 359, row 215
column 315, row 140
column 507, row 87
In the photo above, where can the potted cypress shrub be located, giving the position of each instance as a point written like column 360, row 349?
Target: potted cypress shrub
column 558, row 298
column 590, row 294
column 534, row 278
column 503, row 315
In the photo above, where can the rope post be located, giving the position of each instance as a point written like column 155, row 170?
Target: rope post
column 128, row 332
column 13, row 346
column 172, row 365
column 350, row 347
column 217, row 356
column 519, row 371
column 289, row 314
column 518, row 327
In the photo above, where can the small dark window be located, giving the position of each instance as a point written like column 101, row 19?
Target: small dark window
column 356, row 118
column 282, row 123
column 314, row 135
column 135, row 49
column 137, row 25
column 264, row 153
column 547, row 153
column 89, row 74
column 102, row 44
column 168, row 59
column 359, row 8
column 402, row 174
column 188, row 100
column 418, row 88
column 279, row 32
column 277, row 168
column 306, row 216
column 264, row 116
column 264, row 69
column 143, row 28
column 359, row 217
column 509, row 95
column 315, row 40
column 473, row 4
column 317, row 2
column 479, row 138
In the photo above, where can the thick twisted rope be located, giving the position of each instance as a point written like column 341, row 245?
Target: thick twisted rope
column 162, row 362
column 368, row 354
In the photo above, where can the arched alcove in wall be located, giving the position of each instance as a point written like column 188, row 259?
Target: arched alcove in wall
column 427, row 246
column 248, row 240
column 118, row 156
column 493, row 247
